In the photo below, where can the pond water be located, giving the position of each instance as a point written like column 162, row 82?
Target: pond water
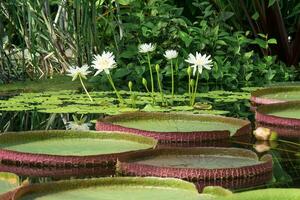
column 286, row 169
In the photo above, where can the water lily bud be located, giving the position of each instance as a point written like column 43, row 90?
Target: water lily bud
column 262, row 133
column 189, row 71
column 144, row 81
column 130, row 85
column 192, row 83
column 157, row 68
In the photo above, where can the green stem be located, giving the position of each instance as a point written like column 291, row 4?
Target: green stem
column 151, row 75
column 289, row 142
column 160, row 87
column 85, row 89
column 192, row 91
column 172, row 71
column 195, row 90
column 115, row 89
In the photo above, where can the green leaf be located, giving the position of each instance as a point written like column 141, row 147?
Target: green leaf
column 271, row 3
column 272, row 41
column 124, row 2
column 255, row 16
column 185, row 38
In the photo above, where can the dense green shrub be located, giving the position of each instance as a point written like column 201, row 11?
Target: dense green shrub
column 46, row 45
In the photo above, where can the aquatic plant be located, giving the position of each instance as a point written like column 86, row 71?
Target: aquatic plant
column 147, row 48
column 105, row 62
column 171, row 54
column 198, row 62
column 81, row 73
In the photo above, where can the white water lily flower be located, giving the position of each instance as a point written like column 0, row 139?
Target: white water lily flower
column 76, row 71
column 104, row 62
column 171, row 54
column 146, row 47
column 75, row 126
column 199, row 61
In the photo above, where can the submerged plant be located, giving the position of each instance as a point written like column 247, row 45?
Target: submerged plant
column 105, row 62
column 170, row 55
column 147, row 48
column 198, row 62
column 81, row 73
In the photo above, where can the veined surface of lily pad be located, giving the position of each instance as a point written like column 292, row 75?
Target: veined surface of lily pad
column 8, row 181
column 272, row 95
column 69, row 147
column 175, row 127
column 203, row 163
column 111, row 189
column 280, row 115
column 262, row 194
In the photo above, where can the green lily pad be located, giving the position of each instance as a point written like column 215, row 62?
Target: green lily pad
column 68, row 143
column 113, row 188
column 8, row 182
column 276, row 95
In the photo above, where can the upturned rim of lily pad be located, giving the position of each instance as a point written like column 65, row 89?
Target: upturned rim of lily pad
column 262, row 115
column 127, row 165
column 43, row 160
column 59, row 186
column 258, row 99
column 107, row 124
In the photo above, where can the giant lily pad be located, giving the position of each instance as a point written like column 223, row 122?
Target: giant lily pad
column 280, row 115
column 172, row 127
column 61, row 148
column 262, row 194
column 8, row 181
column 202, row 163
column 272, row 95
column 111, row 188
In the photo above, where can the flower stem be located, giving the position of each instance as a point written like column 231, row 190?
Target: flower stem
column 151, row 75
column 160, row 87
column 114, row 87
column 195, row 90
column 84, row 88
column 172, row 71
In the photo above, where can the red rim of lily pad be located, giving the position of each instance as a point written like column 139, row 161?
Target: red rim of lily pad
column 234, row 184
column 43, row 160
column 58, row 173
column 127, row 166
column 258, row 99
column 262, row 116
column 107, row 124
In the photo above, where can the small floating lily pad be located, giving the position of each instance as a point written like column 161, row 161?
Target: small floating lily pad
column 69, row 147
column 272, row 95
column 111, row 189
column 8, row 181
column 202, row 163
column 175, row 127
column 280, row 115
